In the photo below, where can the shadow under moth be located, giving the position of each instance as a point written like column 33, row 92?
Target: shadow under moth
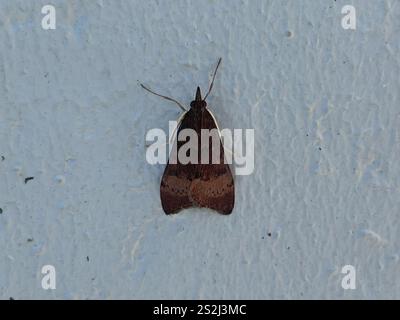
column 197, row 184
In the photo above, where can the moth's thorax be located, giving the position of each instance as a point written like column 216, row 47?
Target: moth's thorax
column 198, row 105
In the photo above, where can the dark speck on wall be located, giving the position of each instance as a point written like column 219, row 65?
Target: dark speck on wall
column 3, row 158
column 1, row 210
column 269, row 234
column 87, row 258
column 28, row 179
column 29, row 240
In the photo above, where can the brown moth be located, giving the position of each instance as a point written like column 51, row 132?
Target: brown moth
column 199, row 184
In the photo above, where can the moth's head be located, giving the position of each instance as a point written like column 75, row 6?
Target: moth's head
column 198, row 102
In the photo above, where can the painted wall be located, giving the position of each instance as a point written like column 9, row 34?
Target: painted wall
column 324, row 104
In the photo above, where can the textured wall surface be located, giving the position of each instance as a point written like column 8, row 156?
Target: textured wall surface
column 324, row 103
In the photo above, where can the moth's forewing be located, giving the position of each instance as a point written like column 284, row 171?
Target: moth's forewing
column 214, row 188
column 174, row 189
column 176, row 180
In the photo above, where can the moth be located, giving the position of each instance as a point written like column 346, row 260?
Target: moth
column 197, row 184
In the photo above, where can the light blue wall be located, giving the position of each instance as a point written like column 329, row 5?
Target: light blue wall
column 324, row 103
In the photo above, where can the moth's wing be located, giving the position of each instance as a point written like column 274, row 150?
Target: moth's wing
column 213, row 186
column 174, row 190
column 177, row 178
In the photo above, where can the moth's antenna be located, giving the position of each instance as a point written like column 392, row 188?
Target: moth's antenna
column 212, row 82
column 165, row 97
